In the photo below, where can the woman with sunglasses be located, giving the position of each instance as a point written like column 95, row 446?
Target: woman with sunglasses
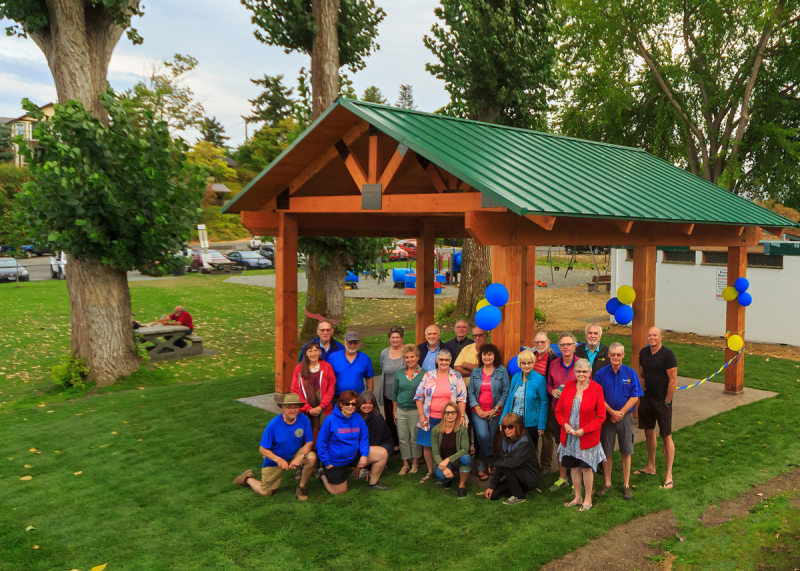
column 580, row 411
column 516, row 469
column 488, row 391
column 438, row 387
column 450, row 444
column 343, row 443
column 528, row 397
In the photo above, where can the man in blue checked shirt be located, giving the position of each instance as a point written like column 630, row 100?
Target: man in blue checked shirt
column 621, row 389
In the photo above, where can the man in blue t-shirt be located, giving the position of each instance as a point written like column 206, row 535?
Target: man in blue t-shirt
column 621, row 390
column 353, row 368
column 286, row 443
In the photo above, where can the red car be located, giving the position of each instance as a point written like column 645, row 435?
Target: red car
column 410, row 247
column 398, row 254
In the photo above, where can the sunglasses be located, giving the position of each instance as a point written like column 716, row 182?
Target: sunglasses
column 451, row 412
column 507, row 426
column 349, row 404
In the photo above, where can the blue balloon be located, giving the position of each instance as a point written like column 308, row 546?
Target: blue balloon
column 488, row 317
column 624, row 314
column 497, row 295
column 513, row 368
column 744, row 298
column 741, row 285
column 612, row 305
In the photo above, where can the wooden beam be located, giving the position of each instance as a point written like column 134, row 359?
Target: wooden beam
column 394, row 165
column 740, row 230
column 452, row 182
column 623, row 225
column 430, row 204
column 425, row 276
column 545, row 222
column 260, row 223
column 374, row 157
column 644, row 307
column 496, row 228
column 465, row 187
column 358, row 225
column 285, row 302
column 322, row 160
column 528, row 323
column 436, row 178
column 686, row 228
column 734, row 321
column 356, row 170
column 775, row 231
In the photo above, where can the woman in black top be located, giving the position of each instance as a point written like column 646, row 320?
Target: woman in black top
column 516, row 469
column 379, row 433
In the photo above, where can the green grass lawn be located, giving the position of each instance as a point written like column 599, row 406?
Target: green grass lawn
column 138, row 475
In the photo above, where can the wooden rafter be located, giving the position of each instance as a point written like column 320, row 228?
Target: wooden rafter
column 624, row 225
column 778, row 232
column 393, row 167
column 374, row 157
column 433, row 174
column 353, row 165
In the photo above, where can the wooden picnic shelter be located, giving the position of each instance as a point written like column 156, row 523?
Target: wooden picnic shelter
column 366, row 170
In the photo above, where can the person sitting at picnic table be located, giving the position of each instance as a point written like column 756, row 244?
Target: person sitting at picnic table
column 313, row 381
column 178, row 317
column 286, row 443
column 406, row 415
column 516, row 467
column 379, row 433
column 528, row 397
column 488, row 391
column 438, row 387
column 343, row 443
column 581, row 410
column 450, row 444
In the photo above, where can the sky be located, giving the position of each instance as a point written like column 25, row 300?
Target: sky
column 220, row 35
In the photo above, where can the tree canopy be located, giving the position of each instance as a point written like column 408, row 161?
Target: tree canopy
column 274, row 104
column 373, row 95
column 405, row 98
column 213, row 132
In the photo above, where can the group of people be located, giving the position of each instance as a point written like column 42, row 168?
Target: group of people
column 444, row 403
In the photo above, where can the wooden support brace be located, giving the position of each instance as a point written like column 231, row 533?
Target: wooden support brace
column 624, row 225
column 394, row 165
column 374, row 157
column 322, row 160
column 545, row 222
column 260, row 223
column 686, row 228
column 433, row 174
column 777, row 232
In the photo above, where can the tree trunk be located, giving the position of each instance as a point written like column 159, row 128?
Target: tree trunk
column 78, row 45
column 100, row 309
column 476, row 267
column 324, row 56
column 325, row 289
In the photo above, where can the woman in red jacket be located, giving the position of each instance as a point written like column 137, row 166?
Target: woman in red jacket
column 580, row 411
column 313, row 381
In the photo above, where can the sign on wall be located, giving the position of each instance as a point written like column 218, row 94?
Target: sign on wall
column 722, row 282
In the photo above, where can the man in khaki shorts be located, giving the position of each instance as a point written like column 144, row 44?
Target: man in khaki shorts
column 286, row 443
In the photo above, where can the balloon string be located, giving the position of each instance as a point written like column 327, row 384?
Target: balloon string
column 722, row 368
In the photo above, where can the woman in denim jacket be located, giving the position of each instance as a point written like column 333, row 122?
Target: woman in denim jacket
column 488, row 391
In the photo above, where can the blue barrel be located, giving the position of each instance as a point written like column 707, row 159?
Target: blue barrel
column 350, row 277
column 411, row 281
column 399, row 275
column 437, row 288
column 457, row 262
column 441, row 278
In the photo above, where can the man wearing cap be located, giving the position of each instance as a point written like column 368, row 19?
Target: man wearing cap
column 286, row 443
column 327, row 343
column 353, row 368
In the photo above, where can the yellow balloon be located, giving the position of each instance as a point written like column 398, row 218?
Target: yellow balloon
column 626, row 295
column 484, row 302
column 735, row 343
column 729, row 293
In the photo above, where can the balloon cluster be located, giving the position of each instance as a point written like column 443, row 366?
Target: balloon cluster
column 489, row 314
column 620, row 306
column 738, row 291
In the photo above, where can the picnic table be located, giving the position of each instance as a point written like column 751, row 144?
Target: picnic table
column 163, row 338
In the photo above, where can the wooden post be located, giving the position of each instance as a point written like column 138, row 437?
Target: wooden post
column 374, row 157
column 509, row 268
column 644, row 307
column 528, row 324
column 425, row 276
column 285, row 302
column 734, row 321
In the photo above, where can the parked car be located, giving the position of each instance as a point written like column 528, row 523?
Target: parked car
column 255, row 243
column 267, row 251
column 410, row 246
column 398, row 254
column 28, row 250
column 57, row 265
column 249, row 260
column 10, row 268
column 592, row 249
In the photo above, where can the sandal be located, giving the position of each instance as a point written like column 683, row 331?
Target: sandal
column 404, row 470
column 482, row 476
column 668, row 485
column 573, row 504
column 425, row 478
column 641, row 472
column 585, row 508
column 414, row 469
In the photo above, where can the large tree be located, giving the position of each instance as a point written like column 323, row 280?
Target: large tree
column 713, row 85
column 335, row 33
column 405, row 98
column 213, row 132
column 77, row 38
column 496, row 59
column 6, row 144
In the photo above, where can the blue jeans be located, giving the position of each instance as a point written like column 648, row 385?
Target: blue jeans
column 465, row 466
column 484, row 432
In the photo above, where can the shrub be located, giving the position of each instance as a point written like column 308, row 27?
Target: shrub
column 445, row 312
column 539, row 314
column 71, row 371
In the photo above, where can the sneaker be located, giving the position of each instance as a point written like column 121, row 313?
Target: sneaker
column 627, row 494
column 513, row 500
column 242, row 480
column 298, row 473
column 604, row 491
column 301, row 493
column 380, row 487
column 446, row 484
column 363, row 474
column 558, row 484
column 462, row 493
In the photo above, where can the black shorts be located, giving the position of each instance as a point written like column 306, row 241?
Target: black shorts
column 572, row 462
column 652, row 410
column 338, row 474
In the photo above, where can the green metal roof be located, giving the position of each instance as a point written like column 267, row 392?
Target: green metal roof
column 530, row 172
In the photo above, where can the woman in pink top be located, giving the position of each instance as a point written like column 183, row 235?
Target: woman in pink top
column 438, row 387
column 488, row 392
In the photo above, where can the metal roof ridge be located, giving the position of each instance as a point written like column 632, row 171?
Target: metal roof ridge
column 358, row 103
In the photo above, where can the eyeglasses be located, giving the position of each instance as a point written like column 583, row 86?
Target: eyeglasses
column 566, row 344
column 349, row 404
column 582, row 372
column 507, row 426
column 540, row 342
column 479, row 334
column 324, row 330
column 451, row 412
column 520, row 363
column 444, row 360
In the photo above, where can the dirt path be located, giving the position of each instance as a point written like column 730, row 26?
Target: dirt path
column 637, row 535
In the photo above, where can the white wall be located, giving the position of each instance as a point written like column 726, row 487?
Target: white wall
column 686, row 298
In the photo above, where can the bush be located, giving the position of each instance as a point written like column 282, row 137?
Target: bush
column 71, row 371
column 223, row 226
column 445, row 312
column 539, row 314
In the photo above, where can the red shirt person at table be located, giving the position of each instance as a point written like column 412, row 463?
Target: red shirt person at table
column 178, row 317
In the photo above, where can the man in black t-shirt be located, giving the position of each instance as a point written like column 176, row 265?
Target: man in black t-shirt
column 659, row 373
